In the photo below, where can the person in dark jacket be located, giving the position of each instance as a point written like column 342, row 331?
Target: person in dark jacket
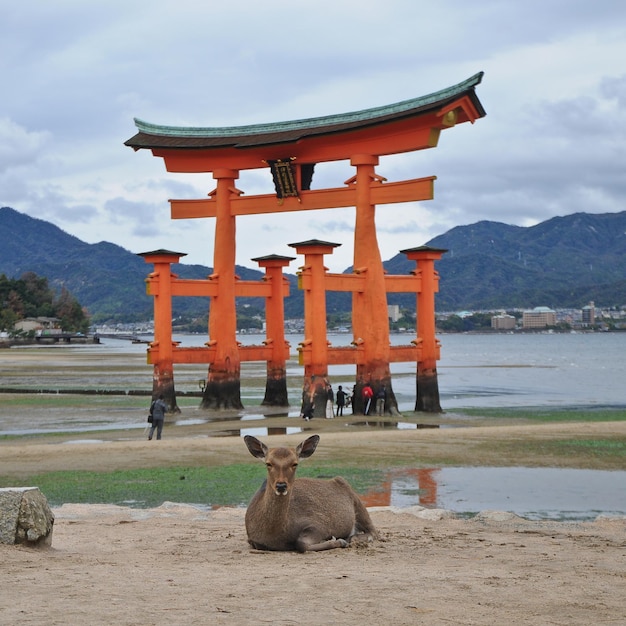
column 158, row 410
column 381, row 398
column 341, row 400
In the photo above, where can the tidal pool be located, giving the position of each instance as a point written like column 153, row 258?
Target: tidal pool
column 533, row 493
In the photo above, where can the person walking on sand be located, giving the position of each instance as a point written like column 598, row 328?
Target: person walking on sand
column 158, row 410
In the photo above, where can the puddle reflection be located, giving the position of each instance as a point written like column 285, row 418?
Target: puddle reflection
column 257, row 432
column 398, row 425
column 420, row 485
column 264, row 431
column 533, row 493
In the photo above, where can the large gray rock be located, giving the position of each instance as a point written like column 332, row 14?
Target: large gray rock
column 25, row 517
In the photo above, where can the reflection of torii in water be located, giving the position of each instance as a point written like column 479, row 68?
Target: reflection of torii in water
column 427, row 485
column 290, row 150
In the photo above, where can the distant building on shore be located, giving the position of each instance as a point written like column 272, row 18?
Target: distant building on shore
column 393, row 312
column 589, row 314
column 49, row 325
column 503, row 322
column 539, row 317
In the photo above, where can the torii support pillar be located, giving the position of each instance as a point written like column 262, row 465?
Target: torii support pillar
column 223, row 388
column 276, row 384
column 159, row 285
column 312, row 278
column 370, row 319
column 426, row 378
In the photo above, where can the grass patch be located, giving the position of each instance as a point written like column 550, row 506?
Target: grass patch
column 607, row 454
column 541, row 414
column 231, row 485
column 593, row 447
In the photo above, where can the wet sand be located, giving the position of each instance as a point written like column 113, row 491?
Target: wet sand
column 497, row 446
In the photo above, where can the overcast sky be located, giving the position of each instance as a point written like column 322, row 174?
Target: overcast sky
column 74, row 74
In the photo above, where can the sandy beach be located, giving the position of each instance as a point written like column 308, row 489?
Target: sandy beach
column 177, row 564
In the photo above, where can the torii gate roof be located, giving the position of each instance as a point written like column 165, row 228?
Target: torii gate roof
column 242, row 147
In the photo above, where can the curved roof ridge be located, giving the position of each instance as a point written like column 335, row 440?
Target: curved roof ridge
column 314, row 122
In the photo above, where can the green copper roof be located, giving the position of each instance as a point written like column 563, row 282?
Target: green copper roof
column 315, row 122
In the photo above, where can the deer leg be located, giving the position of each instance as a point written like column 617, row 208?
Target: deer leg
column 363, row 537
column 304, row 544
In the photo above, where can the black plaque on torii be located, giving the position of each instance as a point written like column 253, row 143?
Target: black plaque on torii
column 284, row 175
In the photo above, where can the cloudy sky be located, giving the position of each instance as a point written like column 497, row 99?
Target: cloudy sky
column 74, row 74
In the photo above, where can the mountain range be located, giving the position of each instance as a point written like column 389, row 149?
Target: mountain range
column 562, row 262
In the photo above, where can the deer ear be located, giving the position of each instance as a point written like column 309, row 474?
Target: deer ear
column 307, row 447
column 256, row 448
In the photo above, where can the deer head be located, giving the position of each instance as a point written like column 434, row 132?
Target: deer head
column 281, row 463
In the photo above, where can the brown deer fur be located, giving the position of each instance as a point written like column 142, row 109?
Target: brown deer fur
column 305, row 513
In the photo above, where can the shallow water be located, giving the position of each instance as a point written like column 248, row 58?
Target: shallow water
column 551, row 370
column 533, row 493
column 584, row 369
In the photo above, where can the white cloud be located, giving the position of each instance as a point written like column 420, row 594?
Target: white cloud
column 19, row 147
column 75, row 74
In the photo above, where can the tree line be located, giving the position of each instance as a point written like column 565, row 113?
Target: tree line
column 31, row 296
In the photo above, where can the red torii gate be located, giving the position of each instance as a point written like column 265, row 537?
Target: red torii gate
column 316, row 353
column 163, row 352
column 290, row 150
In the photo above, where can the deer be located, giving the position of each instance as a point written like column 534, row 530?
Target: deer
column 302, row 514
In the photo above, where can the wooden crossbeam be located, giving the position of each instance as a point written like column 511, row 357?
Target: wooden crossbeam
column 354, row 355
column 210, row 287
column 381, row 193
column 207, row 354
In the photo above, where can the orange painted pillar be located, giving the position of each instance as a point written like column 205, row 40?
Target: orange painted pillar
column 161, row 350
column 371, row 328
column 314, row 348
column 276, row 383
column 426, row 381
column 223, row 388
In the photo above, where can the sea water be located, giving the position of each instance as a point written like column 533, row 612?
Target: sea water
column 496, row 370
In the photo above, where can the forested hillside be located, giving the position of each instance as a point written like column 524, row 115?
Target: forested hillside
column 30, row 296
column 563, row 262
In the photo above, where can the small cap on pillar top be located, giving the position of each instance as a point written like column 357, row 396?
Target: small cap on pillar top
column 273, row 257
column 314, row 246
column 161, row 252
column 424, row 252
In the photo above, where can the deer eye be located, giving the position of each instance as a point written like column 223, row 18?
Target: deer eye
column 268, row 465
column 294, row 465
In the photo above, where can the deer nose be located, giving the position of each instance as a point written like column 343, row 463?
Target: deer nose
column 281, row 488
